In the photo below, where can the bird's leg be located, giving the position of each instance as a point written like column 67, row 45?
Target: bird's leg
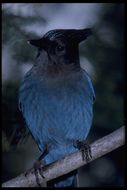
column 38, row 166
column 85, row 149
column 38, row 169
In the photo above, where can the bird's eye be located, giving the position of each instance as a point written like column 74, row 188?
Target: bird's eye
column 60, row 48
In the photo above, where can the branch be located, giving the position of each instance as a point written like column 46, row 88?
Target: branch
column 71, row 162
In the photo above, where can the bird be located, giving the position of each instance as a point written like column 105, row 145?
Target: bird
column 56, row 97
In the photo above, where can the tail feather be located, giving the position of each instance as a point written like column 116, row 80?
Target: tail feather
column 68, row 180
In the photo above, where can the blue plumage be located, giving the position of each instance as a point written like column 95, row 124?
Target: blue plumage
column 57, row 103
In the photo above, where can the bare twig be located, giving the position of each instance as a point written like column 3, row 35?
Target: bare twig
column 72, row 161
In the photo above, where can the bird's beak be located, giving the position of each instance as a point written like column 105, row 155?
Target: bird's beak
column 38, row 43
column 81, row 35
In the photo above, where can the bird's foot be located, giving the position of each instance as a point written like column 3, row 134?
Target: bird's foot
column 85, row 150
column 38, row 166
column 38, row 169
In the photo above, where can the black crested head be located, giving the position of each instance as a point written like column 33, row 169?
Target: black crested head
column 61, row 45
column 69, row 34
column 66, row 35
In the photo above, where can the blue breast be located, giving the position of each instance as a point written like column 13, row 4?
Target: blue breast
column 57, row 111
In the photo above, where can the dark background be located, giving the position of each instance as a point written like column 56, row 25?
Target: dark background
column 103, row 58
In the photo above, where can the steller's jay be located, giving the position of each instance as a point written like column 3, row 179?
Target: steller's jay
column 56, row 96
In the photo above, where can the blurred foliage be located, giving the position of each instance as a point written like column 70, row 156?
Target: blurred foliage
column 105, row 50
column 14, row 33
column 108, row 60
